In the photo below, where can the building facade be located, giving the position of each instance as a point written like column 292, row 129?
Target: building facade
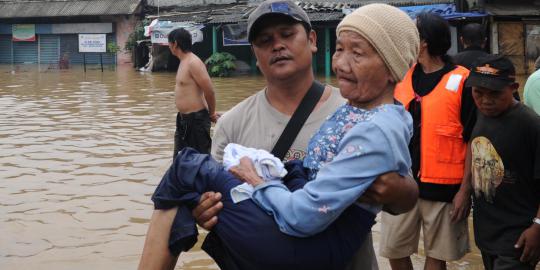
column 47, row 31
column 515, row 31
column 225, row 24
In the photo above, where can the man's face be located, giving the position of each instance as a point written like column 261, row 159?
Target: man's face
column 283, row 48
column 492, row 103
column 362, row 74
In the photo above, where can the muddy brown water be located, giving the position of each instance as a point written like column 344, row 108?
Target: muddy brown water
column 80, row 155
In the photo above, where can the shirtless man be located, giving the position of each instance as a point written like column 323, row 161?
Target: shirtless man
column 194, row 96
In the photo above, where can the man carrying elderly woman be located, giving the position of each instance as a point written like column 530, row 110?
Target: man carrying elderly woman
column 315, row 221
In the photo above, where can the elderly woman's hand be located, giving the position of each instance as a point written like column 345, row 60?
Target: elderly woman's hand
column 245, row 172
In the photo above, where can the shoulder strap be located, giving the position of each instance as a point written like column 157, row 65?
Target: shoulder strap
column 298, row 119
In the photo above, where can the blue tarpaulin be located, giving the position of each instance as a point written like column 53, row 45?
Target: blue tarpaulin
column 447, row 11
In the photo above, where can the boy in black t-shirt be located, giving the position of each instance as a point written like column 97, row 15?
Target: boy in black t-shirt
column 505, row 146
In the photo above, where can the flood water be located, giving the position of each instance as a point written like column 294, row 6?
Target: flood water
column 80, row 155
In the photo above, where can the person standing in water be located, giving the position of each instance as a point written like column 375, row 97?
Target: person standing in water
column 194, row 96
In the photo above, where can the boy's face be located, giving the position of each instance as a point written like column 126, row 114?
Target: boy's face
column 492, row 103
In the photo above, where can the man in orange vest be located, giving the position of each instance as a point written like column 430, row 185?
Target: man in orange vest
column 433, row 92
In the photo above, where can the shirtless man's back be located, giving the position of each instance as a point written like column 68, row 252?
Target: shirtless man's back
column 193, row 94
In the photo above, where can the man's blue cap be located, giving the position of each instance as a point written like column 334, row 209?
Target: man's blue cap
column 283, row 7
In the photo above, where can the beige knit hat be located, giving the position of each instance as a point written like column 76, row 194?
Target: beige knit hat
column 390, row 31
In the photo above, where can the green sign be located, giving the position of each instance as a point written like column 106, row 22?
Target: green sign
column 24, row 32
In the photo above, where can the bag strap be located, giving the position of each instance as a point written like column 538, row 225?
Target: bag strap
column 298, row 119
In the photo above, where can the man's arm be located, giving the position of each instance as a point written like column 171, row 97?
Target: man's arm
column 219, row 140
column 203, row 81
column 462, row 200
column 529, row 240
column 398, row 194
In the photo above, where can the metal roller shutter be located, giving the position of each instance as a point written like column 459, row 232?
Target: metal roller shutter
column 25, row 52
column 5, row 49
column 49, row 51
column 69, row 45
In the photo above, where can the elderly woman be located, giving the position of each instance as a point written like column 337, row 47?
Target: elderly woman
column 314, row 221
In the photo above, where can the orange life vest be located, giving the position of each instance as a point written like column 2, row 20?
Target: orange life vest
column 442, row 150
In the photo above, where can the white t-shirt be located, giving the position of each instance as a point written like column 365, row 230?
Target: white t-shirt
column 255, row 123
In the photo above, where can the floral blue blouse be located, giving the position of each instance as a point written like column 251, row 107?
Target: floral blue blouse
column 352, row 148
column 323, row 146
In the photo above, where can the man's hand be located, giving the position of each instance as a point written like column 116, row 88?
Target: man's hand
column 206, row 211
column 245, row 172
column 530, row 242
column 398, row 194
column 461, row 205
column 214, row 117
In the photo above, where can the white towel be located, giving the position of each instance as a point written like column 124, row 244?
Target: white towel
column 268, row 167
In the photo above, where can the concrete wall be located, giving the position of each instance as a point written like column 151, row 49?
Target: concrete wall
column 125, row 25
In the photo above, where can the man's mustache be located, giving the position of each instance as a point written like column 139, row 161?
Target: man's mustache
column 279, row 58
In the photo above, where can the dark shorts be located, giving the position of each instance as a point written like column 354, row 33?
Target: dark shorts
column 501, row 262
column 192, row 130
column 251, row 236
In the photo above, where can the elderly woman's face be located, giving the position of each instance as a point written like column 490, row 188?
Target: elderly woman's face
column 362, row 75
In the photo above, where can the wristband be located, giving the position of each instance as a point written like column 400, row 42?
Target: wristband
column 536, row 220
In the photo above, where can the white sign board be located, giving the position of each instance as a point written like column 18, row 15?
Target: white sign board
column 160, row 30
column 92, row 43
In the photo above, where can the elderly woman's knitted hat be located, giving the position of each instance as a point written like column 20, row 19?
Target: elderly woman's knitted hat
column 390, row 31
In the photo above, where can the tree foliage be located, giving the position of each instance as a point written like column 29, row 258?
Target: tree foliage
column 220, row 64
column 112, row 47
column 137, row 34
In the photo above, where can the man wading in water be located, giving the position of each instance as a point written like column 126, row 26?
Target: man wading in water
column 194, row 96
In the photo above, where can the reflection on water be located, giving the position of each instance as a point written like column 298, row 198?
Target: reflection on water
column 80, row 155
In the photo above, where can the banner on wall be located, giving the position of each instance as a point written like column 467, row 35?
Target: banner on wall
column 235, row 34
column 447, row 11
column 159, row 31
column 93, row 43
column 24, row 32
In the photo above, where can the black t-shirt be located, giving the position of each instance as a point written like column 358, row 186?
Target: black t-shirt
column 468, row 56
column 423, row 84
column 506, row 178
